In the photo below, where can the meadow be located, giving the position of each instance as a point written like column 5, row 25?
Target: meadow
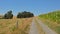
column 9, row 26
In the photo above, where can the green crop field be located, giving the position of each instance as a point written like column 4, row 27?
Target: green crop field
column 52, row 19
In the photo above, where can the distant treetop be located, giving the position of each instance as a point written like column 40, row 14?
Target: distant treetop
column 25, row 14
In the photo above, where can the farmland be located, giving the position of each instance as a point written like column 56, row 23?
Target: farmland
column 52, row 19
column 9, row 26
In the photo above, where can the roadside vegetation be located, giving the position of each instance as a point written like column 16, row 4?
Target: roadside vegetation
column 20, row 24
column 8, row 26
column 52, row 19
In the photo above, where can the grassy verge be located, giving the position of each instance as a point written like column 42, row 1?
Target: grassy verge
column 53, row 25
column 8, row 26
column 52, row 19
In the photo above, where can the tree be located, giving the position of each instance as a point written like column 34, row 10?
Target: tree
column 19, row 15
column 25, row 14
column 8, row 15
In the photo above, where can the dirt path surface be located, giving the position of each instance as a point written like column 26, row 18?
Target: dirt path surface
column 33, row 28
column 45, row 28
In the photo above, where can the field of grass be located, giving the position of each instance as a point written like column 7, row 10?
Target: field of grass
column 52, row 19
column 9, row 26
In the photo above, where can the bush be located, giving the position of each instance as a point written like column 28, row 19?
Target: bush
column 8, row 15
column 25, row 15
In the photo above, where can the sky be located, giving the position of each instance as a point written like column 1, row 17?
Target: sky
column 34, row 6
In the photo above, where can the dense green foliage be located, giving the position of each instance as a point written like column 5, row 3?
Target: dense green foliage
column 54, row 16
column 8, row 15
column 25, row 15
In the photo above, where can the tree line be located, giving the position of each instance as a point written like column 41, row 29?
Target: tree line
column 23, row 14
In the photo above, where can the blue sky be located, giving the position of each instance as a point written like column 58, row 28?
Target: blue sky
column 35, row 6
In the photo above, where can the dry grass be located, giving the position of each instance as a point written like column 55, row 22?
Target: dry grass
column 8, row 26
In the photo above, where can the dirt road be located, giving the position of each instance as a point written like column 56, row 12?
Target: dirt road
column 45, row 28
column 33, row 28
